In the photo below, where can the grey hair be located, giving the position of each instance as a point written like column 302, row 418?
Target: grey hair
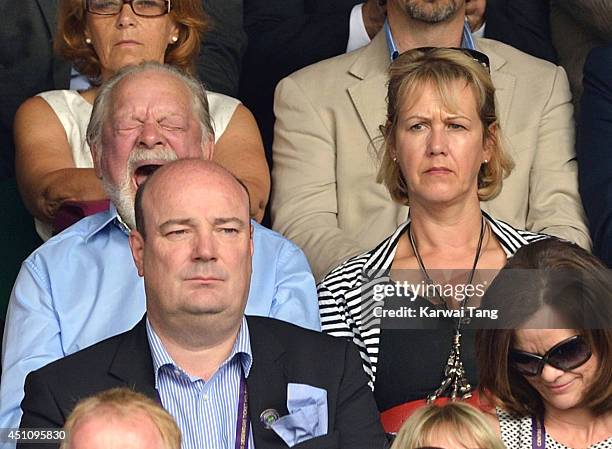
column 101, row 105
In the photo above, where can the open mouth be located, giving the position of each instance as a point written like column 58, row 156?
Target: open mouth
column 143, row 172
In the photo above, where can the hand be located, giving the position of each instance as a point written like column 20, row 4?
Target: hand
column 475, row 13
column 374, row 14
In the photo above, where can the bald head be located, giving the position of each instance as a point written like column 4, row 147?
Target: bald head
column 172, row 175
column 196, row 256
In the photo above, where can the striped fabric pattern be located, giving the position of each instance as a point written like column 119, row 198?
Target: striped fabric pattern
column 345, row 295
column 205, row 412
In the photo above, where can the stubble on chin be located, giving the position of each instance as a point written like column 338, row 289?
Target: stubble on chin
column 123, row 197
column 430, row 12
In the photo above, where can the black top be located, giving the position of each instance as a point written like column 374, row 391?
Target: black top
column 411, row 360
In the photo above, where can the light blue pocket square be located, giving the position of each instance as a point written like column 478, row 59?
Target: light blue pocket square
column 307, row 416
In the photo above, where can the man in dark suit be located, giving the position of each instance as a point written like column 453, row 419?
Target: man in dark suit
column 196, row 353
column 287, row 35
column 594, row 150
column 524, row 24
column 28, row 65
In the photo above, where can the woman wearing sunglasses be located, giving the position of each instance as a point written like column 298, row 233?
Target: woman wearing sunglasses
column 549, row 369
column 99, row 37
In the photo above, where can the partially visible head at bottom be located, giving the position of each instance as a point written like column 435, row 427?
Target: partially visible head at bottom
column 451, row 426
column 120, row 419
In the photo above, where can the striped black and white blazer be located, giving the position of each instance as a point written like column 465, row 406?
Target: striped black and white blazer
column 346, row 292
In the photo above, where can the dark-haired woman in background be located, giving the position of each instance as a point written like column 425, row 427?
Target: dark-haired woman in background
column 549, row 365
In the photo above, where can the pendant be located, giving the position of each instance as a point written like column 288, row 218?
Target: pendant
column 455, row 383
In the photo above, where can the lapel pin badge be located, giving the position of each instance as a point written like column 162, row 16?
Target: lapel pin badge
column 268, row 417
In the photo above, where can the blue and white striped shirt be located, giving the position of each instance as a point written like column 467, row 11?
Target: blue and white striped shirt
column 205, row 411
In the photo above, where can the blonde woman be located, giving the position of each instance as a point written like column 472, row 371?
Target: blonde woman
column 451, row 426
column 442, row 157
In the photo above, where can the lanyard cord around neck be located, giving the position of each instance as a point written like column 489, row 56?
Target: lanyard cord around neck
column 538, row 433
column 242, row 420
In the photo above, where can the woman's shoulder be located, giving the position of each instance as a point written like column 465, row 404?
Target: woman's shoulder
column 66, row 108
column 221, row 103
column 66, row 101
column 515, row 430
column 61, row 94
column 221, row 108
column 369, row 264
column 512, row 238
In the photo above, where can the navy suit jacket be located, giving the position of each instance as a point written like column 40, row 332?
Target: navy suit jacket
column 282, row 353
column 285, row 36
column 594, row 149
column 27, row 64
column 523, row 24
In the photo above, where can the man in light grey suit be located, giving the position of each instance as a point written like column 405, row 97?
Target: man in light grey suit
column 325, row 195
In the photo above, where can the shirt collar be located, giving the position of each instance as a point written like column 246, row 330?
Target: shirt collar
column 241, row 351
column 393, row 51
column 466, row 40
column 108, row 218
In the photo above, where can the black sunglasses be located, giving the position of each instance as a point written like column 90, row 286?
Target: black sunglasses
column 477, row 56
column 565, row 355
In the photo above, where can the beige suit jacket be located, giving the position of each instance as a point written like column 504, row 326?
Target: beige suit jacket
column 327, row 138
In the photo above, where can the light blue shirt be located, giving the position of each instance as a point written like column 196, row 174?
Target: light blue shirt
column 205, row 411
column 466, row 39
column 81, row 287
column 78, row 81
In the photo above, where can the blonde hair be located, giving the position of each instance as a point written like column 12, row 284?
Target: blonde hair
column 461, row 420
column 119, row 403
column 440, row 67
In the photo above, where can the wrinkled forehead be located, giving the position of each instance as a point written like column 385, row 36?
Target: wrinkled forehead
column 151, row 91
column 451, row 95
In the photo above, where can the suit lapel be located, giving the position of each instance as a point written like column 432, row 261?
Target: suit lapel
column 369, row 91
column 266, row 383
column 503, row 81
column 133, row 363
column 49, row 12
column 368, row 94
